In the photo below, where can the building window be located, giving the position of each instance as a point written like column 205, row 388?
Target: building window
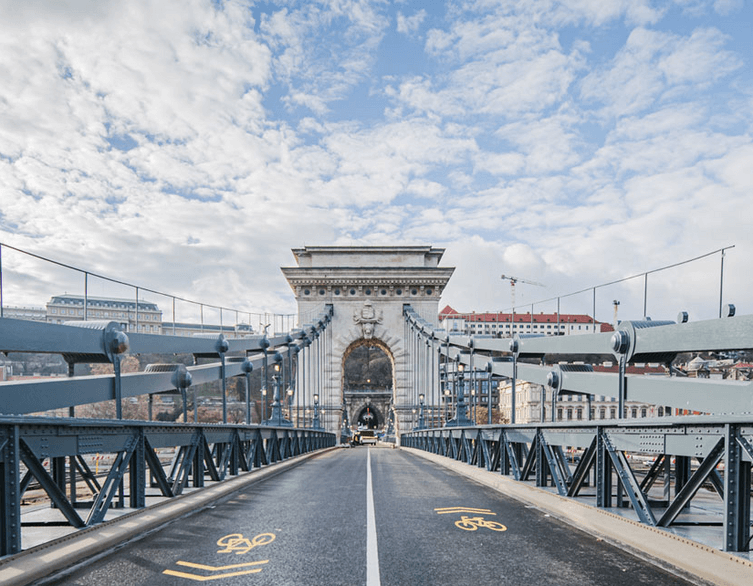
column 634, row 413
column 643, row 412
column 428, row 291
column 352, row 291
column 399, row 292
column 579, row 414
column 569, row 414
column 613, row 413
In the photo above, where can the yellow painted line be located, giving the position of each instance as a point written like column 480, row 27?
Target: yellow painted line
column 219, row 568
column 463, row 510
column 64, row 551
column 198, row 578
column 207, row 578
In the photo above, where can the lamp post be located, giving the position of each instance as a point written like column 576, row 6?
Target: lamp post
column 248, row 367
column 421, row 422
column 461, row 414
column 315, row 424
column 264, row 404
column 276, row 417
column 446, row 404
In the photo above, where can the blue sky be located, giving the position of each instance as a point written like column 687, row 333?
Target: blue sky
column 188, row 146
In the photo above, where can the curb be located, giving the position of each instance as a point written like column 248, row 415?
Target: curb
column 43, row 560
column 655, row 545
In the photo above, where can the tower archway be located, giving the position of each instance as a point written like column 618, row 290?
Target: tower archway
column 367, row 288
column 368, row 383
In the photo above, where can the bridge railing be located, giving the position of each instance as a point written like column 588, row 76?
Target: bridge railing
column 713, row 448
column 139, row 459
column 58, row 454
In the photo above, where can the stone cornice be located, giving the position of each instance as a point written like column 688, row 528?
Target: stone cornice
column 346, row 276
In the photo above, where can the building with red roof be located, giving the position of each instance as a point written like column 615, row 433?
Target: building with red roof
column 506, row 325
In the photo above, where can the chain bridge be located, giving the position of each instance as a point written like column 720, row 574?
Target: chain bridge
column 274, row 489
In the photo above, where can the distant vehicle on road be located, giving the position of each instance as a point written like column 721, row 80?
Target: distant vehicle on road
column 363, row 436
column 368, row 436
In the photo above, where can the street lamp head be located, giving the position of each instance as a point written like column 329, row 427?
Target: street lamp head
column 421, row 397
column 316, row 397
column 264, row 392
column 461, row 367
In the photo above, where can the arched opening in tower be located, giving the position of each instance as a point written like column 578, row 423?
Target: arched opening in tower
column 367, row 368
column 369, row 418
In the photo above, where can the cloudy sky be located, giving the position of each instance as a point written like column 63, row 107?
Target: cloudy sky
column 188, row 145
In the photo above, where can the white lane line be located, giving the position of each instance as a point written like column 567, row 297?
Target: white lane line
column 372, row 552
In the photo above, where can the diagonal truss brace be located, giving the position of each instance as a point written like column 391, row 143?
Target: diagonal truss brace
column 555, row 465
column 691, row 487
column 56, row 494
column 582, row 469
column 629, row 482
column 112, row 483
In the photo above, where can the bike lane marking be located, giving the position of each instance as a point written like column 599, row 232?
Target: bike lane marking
column 372, row 552
column 233, row 543
column 472, row 523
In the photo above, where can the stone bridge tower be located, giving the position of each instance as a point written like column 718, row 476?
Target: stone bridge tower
column 367, row 288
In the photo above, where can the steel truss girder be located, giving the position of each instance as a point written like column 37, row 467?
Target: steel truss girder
column 133, row 444
column 520, row 450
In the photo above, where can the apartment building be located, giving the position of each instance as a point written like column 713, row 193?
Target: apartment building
column 144, row 319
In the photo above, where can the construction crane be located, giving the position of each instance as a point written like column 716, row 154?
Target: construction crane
column 514, row 280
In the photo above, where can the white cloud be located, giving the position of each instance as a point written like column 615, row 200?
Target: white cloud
column 188, row 148
column 408, row 25
column 652, row 63
column 726, row 7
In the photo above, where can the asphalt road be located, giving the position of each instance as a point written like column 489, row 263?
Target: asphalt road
column 368, row 516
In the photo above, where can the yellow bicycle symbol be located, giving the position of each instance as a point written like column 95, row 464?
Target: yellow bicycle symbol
column 235, row 542
column 473, row 523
